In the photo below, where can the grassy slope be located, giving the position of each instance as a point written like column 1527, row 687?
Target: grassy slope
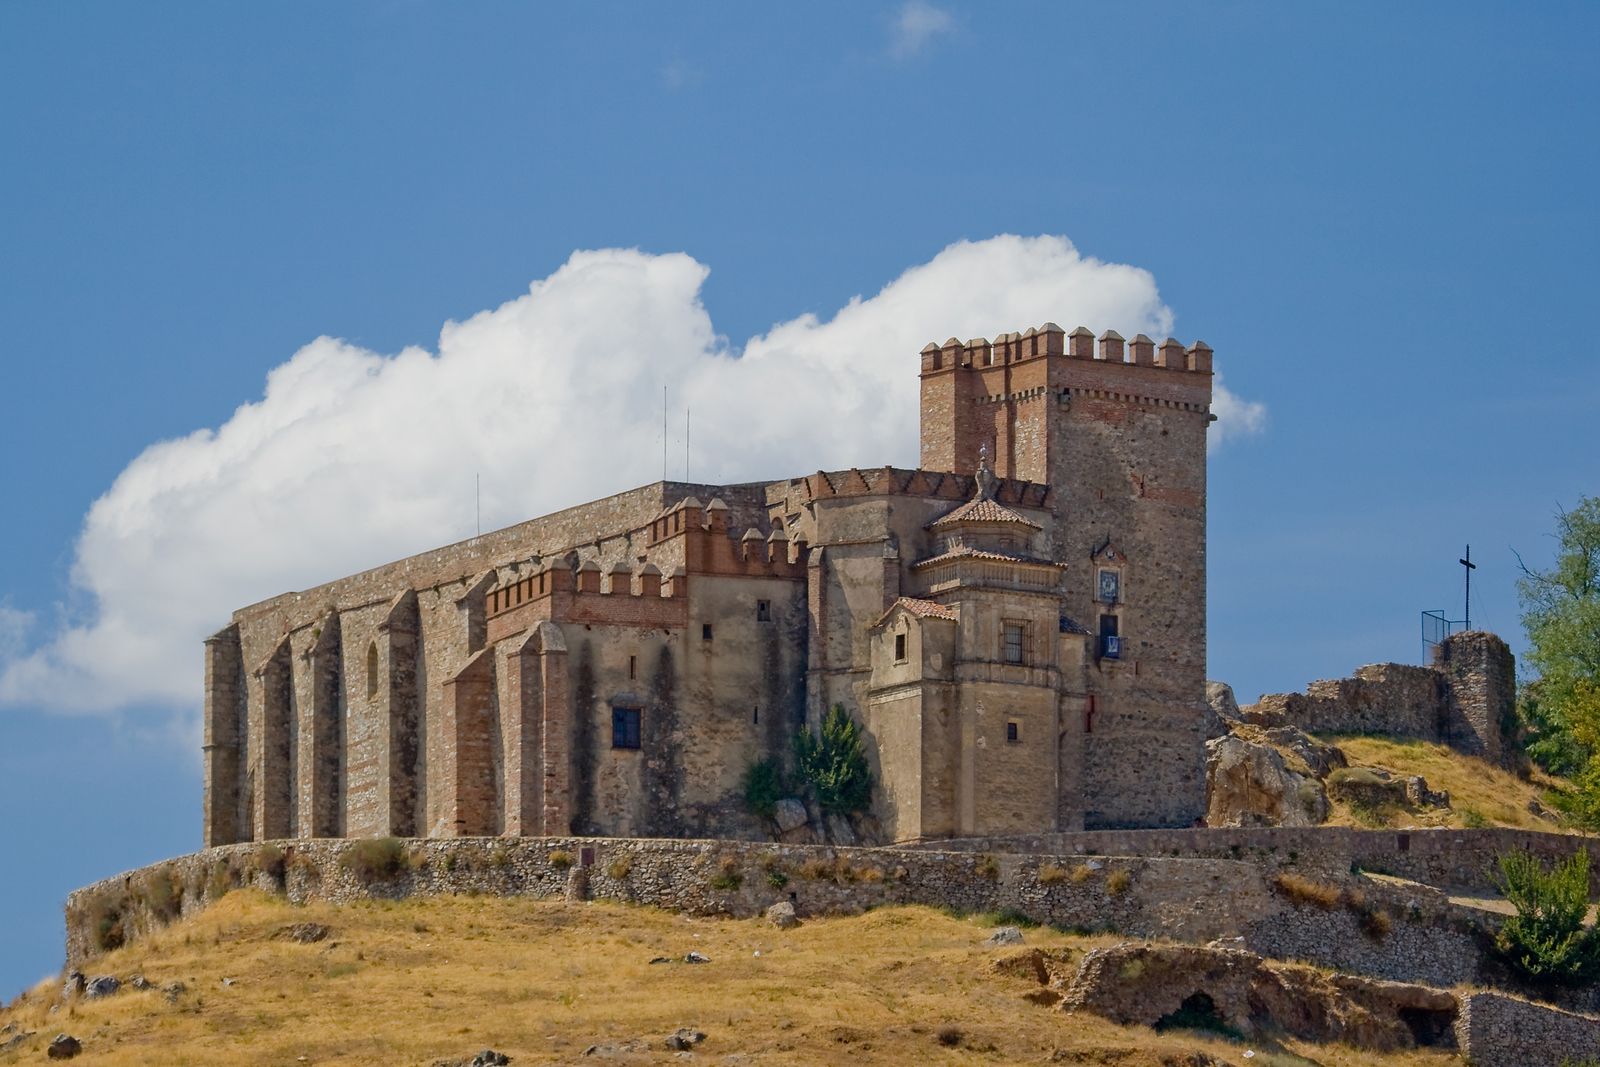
column 1480, row 794
column 405, row 983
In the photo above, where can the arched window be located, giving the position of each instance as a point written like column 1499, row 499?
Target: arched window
column 372, row 670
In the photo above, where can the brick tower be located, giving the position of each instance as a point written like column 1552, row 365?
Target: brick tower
column 1118, row 432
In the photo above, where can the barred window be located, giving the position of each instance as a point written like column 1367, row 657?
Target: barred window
column 1014, row 642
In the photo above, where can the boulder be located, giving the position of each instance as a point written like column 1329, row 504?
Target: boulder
column 73, row 984
column 1374, row 787
column 15, row 1040
column 840, row 831
column 695, row 957
column 64, row 1047
column 1320, row 757
column 104, row 985
column 1249, row 785
column 782, row 915
column 1222, row 710
column 1005, row 935
column 790, row 814
column 684, row 1039
column 304, row 933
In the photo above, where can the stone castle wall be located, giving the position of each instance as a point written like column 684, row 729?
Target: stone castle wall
column 1466, row 699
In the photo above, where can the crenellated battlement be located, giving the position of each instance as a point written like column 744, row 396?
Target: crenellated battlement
column 708, row 546
column 1050, row 340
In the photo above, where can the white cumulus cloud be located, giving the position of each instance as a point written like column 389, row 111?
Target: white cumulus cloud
column 351, row 458
column 915, row 26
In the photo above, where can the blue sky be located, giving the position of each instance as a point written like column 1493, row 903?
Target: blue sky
column 1382, row 219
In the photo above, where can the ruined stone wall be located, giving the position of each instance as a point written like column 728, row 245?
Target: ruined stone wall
column 1481, row 677
column 1466, row 700
column 1495, row 1030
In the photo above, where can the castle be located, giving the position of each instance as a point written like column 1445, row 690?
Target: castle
column 1018, row 624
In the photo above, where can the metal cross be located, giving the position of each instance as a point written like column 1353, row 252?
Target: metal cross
column 1470, row 567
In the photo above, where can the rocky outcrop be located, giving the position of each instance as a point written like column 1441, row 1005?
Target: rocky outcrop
column 1376, row 788
column 1189, row 985
column 1249, row 784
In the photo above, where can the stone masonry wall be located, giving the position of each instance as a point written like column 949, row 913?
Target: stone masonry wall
column 1465, row 699
column 1458, row 859
column 1494, row 1030
column 1150, row 897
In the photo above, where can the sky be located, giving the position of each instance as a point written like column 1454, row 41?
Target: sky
column 284, row 283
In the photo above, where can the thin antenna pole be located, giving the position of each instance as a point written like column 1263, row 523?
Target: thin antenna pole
column 477, row 493
column 663, row 433
column 686, row 411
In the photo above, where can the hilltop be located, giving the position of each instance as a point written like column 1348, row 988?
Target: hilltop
column 424, row 980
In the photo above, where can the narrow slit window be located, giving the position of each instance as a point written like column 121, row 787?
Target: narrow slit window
column 633, row 666
column 899, row 648
column 705, row 631
column 1012, row 732
column 763, row 611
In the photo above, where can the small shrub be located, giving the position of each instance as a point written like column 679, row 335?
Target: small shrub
column 375, row 859
column 1010, row 917
column 271, row 861
column 561, row 859
column 728, row 876
column 162, row 893
column 449, row 862
column 103, row 915
column 869, row 874
column 776, row 878
column 763, row 787
column 949, row 1036
column 1081, row 874
column 1375, row 923
column 1118, row 881
column 1050, row 874
column 1546, row 940
column 1473, row 819
column 500, row 857
column 987, row 867
column 1303, row 890
column 221, row 881
column 617, row 870
column 817, row 870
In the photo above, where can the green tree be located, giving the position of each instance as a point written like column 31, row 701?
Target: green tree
column 1546, row 939
column 763, row 787
column 1560, row 709
column 834, row 764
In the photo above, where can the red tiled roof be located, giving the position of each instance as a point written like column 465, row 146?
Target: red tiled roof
column 923, row 609
column 977, row 553
column 983, row 509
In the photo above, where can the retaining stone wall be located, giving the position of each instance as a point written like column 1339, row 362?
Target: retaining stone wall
column 1458, row 859
column 1148, row 897
column 1493, row 1030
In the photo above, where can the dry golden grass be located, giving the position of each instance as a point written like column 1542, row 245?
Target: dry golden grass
column 1480, row 794
column 406, row 983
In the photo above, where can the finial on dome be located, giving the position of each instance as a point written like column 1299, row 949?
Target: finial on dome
column 984, row 479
